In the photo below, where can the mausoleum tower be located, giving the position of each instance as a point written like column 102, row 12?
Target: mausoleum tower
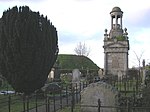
column 116, row 46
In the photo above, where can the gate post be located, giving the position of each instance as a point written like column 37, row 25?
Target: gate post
column 99, row 105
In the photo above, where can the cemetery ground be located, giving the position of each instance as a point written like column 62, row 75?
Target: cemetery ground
column 36, row 102
column 77, row 108
column 16, row 102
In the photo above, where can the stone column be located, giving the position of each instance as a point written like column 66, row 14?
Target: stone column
column 116, row 21
column 126, row 64
column 105, row 64
column 56, row 72
column 121, row 22
column 111, row 22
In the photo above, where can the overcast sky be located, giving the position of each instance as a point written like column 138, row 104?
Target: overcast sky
column 85, row 20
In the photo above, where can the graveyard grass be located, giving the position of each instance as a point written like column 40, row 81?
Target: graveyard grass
column 128, row 85
column 17, row 103
column 68, row 109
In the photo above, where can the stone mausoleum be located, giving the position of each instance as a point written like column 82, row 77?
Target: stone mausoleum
column 116, row 46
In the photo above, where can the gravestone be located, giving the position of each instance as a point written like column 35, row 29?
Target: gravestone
column 76, row 77
column 100, row 73
column 120, row 75
column 69, row 77
column 107, row 94
column 57, row 72
column 66, row 77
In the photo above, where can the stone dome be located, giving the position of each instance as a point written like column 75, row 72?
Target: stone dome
column 116, row 9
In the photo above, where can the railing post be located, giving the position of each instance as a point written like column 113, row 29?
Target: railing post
column 134, row 95
column 80, row 90
column 128, row 106
column 117, row 84
column 67, row 95
column 54, row 101
column 27, row 103
column 125, row 88
column 82, row 85
column 61, row 99
column 46, row 102
column 48, row 108
column 9, row 102
column 128, row 87
column 72, row 106
column 24, row 103
column 73, row 99
column 36, row 101
column 120, row 84
column 76, row 93
column 99, row 105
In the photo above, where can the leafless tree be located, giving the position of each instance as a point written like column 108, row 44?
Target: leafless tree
column 82, row 50
column 139, row 57
column 139, row 62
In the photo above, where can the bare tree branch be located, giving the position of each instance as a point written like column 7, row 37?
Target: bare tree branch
column 81, row 49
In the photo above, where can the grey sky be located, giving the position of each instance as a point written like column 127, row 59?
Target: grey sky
column 85, row 20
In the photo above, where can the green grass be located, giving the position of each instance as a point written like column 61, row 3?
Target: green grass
column 6, row 87
column 68, row 109
column 16, row 104
column 125, row 86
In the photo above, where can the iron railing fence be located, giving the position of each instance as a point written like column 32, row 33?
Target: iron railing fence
column 69, row 96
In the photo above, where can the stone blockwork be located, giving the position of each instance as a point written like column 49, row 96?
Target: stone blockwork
column 107, row 94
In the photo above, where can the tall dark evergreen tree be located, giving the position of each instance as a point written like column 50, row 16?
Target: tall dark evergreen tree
column 28, row 48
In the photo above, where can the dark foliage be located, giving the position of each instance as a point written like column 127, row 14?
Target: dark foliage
column 146, row 89
column 28, row 48
column 132, row 73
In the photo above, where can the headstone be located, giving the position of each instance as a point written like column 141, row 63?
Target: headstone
column 51, row 75
column 76, row 77
column 107, row 94
column 57, row 72
column 66, row 77
column 100, row 73
column 147, row 77
column 120, row 75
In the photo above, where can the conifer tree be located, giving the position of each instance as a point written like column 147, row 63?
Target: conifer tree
column 28, row 48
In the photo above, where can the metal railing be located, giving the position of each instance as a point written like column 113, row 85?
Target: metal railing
column 69, row 96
